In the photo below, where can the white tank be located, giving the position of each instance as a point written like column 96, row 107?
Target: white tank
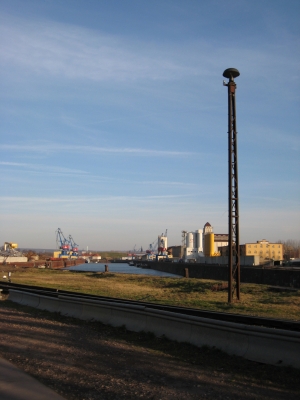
column 190, row 239
column 199, row 235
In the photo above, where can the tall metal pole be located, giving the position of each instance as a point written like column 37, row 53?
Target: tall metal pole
column 233, row 194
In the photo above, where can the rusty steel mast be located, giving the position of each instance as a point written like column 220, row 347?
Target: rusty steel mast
column 233, row 193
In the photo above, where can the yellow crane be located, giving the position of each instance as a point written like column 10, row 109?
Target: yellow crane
column 10, row 245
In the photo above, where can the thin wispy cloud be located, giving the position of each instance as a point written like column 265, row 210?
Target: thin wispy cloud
column 41, row 168
column 274, row 137
column 74, row 52
column 120, row 119
column 257, row 201
column 145, row 182
column 53, row 148
column 33, row 201
column 168, row 183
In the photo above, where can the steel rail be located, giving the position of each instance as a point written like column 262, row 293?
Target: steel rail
column 257, row 343
column 288, row 325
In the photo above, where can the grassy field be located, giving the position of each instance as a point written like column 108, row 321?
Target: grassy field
column 258, row 300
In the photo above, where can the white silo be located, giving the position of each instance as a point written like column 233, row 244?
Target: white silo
column 194, row 247
column 190, row 240
column 199, row 241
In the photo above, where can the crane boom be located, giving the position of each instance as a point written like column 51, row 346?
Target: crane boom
column 62, row 243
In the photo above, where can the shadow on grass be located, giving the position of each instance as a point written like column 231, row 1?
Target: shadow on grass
column 97, row 275
column 101, row 275
column 284, row 292
column 188, row 286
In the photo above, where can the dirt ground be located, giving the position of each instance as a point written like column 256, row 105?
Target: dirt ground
column 87, row 361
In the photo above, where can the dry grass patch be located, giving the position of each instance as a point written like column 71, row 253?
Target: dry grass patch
column 258, row 300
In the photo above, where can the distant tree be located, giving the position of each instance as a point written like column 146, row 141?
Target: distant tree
column 45, row 255
column 291, row 248
column 29, row 254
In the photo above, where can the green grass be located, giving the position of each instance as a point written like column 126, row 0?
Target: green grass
column 258, row 300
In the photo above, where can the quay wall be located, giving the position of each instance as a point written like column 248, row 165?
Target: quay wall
column 62, row 263
column 285, row 277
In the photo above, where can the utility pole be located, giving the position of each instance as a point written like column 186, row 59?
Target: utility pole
column 233, row 194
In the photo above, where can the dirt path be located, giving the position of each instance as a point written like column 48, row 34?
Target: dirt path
column 86, row 361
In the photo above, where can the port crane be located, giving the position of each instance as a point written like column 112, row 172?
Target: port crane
column 73, row 246
column 152, row 247
column 62, row 243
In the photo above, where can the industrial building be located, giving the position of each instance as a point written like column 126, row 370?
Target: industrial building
column 262, row 249
column 157, row 250
column 202, row 242
column 265, row 250
column 212, row 242
column 9, row 253
column 205, row 246
column 192, row 244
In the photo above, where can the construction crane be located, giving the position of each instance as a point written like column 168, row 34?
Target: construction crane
column 62, row 243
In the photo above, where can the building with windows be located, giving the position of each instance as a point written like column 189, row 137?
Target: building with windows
column 266, row 251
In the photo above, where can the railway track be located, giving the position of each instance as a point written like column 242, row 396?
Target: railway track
column 287, row 325
column 263, row 340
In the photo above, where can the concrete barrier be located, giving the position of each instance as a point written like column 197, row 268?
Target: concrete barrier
column 49, row 303
column 15, row 296
column 30, row 299
column 278, row 347
column 172, row 325
column 92, row 311
column 114, row 314
column 70, row 307
column 221, row 335
column 266, row 345
column 130, row 316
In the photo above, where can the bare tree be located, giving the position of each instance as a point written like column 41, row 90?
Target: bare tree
column 291, row 248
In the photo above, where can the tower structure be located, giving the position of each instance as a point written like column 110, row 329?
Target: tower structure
column 162, row 244
column 233, row 197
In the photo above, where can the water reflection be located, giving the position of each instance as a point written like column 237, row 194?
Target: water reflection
column 120, row 268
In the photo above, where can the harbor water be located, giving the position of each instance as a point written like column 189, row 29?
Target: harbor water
column 120, row 268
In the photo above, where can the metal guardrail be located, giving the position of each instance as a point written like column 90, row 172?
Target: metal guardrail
column 257, row 343
column 224, row 316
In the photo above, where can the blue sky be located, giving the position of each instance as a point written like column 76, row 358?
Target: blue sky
column 114, row 119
